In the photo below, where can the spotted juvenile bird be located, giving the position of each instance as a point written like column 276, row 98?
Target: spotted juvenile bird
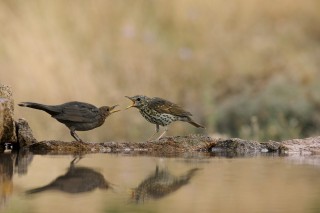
column 160, row 184
column 77, row 116
column 160, row 112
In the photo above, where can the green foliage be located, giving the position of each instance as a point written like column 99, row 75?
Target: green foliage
column 280, row 110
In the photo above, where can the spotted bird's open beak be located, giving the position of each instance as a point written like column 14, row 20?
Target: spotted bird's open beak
column 112, row 109
column 133, row 102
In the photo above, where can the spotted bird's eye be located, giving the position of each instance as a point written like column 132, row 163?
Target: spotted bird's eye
column 138, row 99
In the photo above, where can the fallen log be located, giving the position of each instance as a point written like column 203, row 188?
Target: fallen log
column 174, row 145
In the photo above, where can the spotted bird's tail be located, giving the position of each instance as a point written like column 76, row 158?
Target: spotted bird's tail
column 190, row 121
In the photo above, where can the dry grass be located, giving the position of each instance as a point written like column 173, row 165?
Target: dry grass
column 238, row 66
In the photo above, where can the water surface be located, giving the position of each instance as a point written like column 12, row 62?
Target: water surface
column 127, row 183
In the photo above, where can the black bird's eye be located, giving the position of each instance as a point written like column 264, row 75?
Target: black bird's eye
column 138, row 99
column 108, row 109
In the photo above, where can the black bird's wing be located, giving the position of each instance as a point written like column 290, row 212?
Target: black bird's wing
column 163, row 106
column 78, row 112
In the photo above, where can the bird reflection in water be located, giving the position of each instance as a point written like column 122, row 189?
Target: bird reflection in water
column 76, row 180
column 161, row 184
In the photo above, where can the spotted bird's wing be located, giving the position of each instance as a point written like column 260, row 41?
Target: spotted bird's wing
column 163, row 106
column 78, row 113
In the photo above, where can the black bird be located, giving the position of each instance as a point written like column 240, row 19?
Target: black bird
column 77, row 116
column 161, row 112
column 76, row 180
column 161, row 184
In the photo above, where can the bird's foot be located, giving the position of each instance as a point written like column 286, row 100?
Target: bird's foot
column 160, row 137
column 82, row 142
column 151, row 138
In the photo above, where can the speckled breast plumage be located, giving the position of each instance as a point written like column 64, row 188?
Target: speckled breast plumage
column 155, row 117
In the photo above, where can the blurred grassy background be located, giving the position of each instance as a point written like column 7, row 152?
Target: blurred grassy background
column 245, row 68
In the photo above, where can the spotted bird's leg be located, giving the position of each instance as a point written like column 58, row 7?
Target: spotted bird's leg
column 164, row 132
column 157, row 130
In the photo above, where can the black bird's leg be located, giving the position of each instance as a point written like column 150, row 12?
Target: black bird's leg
column 76, row 160
column 74, row 135
column 73, row 162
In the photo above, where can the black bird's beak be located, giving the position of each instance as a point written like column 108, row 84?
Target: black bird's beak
column 133, row 102
column 112, row 109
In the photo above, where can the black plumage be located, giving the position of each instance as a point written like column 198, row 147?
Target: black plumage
column 77, row 116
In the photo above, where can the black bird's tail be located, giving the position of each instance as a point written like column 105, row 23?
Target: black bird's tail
column 39, row 189
column 49, row 109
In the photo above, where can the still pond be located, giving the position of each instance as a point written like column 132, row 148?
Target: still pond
column 136, row 183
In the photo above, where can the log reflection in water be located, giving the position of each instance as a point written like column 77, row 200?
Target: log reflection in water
column 11, row 163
